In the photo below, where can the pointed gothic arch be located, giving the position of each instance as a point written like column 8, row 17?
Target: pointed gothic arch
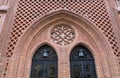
column 32, row 33
column 44, row 63
column 82, row 63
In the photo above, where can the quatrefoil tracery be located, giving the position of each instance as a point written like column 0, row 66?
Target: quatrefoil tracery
column 63, row 34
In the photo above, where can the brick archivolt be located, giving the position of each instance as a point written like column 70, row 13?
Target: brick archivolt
column 93, row 10
column 29, row 11
column 38, row 34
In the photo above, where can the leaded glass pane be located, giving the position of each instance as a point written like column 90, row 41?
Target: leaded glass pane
column 82, row 63
column 44, row 63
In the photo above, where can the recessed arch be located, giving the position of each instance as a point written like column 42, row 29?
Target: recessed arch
column 28, row 38
column 86, row 46
column 83, row 45
column 44, row 63
column 82, row 63
column 39, row 45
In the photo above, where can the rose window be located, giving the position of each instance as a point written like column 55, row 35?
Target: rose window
column 63, row 34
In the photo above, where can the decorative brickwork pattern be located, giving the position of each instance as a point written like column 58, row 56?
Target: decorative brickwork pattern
column 29, row 10
column 63, row 34
column 1, row 66
column 5, row 69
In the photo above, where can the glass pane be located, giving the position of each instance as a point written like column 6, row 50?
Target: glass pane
column 76, row 71
column 44, row 63
column 88, row 71
column 82, row 63
column 52, row 71
column 37, row 71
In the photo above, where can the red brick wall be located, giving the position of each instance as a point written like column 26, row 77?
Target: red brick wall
column 28, row 24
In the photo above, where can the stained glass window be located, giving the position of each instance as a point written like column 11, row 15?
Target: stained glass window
column 44, row 63
column 82, row 63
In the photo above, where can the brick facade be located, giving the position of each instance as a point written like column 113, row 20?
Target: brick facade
column 26, row 25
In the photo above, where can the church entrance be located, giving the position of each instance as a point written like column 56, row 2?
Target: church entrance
column 45, row 59
column 82, row 63
column 44, row 63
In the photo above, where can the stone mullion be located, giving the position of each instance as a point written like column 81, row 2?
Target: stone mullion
column 63, row 65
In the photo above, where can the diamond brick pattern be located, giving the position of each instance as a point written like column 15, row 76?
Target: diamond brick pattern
column 93, row 10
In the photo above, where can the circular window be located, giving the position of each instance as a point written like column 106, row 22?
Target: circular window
column 63, row 34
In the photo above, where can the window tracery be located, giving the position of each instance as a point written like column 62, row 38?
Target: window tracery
column 62, row 34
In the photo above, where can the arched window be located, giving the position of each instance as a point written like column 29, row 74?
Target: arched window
column 82, row 63
column 44, row 63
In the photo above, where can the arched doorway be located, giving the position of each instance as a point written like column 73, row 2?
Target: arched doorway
column 44, row 63
column 82, row 63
